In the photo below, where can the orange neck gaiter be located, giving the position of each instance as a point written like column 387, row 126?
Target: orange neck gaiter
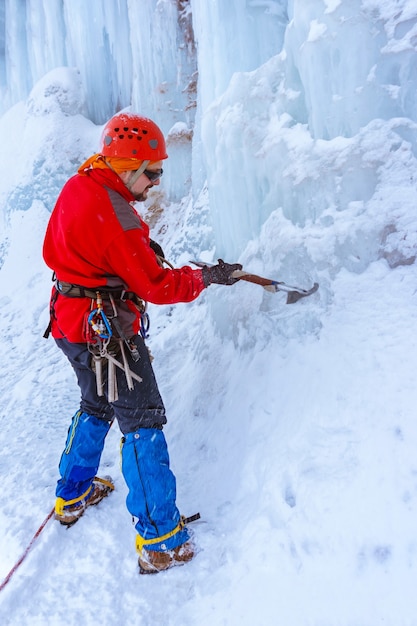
column 118, row 164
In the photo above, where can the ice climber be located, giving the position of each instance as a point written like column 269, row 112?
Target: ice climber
column 106, row 268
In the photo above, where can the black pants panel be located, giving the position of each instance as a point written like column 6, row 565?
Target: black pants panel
column 141, row 407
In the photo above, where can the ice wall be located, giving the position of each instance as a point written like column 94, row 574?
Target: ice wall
column 295, row 113
column 355, row 61
column 231, row 37
column 165, row 80
column 128, row 53
column 307, row 137
column 234, row 37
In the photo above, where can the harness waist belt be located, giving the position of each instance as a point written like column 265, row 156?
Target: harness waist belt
column 78, row 291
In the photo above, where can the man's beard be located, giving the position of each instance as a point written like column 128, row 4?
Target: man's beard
column 141, row 197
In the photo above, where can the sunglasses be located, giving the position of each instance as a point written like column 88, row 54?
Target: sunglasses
column 153, row 176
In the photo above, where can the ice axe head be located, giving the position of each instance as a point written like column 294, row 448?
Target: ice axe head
column 294, row 296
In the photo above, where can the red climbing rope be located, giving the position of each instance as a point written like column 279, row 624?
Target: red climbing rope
column 28, row 549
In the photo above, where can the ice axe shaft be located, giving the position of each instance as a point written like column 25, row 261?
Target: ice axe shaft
column 294, row 293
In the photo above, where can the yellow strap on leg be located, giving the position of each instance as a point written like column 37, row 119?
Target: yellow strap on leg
column 60, row 503
column 141, row 542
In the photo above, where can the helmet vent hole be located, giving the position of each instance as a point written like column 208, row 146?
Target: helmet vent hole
column 144, row 132
column 121, row 136
column 116, row 130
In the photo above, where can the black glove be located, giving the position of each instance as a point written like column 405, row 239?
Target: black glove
column 220, row 274
column 159, row 253
column 156, row 248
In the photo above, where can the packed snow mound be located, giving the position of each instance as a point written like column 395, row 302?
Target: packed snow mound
column 47, row 139
column 59, row 90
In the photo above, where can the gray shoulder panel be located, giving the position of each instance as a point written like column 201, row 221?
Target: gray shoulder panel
column 127, row 218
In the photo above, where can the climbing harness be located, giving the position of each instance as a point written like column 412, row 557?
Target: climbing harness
column 105, row 346
column 106, row 340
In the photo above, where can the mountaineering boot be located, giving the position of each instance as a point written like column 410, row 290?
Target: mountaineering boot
column 67, row 512
column 152, row 562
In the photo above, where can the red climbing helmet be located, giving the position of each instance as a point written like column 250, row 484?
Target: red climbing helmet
column 132, row 136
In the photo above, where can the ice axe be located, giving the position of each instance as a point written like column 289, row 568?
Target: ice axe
column 293, row 293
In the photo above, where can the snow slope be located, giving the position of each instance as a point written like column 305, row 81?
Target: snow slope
column 299, row 457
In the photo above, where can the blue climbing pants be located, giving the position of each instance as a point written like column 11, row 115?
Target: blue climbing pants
column 152, row 488
column 145, row 463
column 81, row 457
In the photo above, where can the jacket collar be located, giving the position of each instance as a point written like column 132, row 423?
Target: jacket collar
column 108, row 178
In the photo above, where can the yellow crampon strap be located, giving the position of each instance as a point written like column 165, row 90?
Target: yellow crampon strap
column 60, row 503
column 141, row 542
column 104, row 481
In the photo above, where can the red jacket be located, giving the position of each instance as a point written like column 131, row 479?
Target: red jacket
column 96, row 238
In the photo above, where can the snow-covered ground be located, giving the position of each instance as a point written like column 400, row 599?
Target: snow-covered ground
column 315, row 464
column 299, row 455
column 292, row 428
